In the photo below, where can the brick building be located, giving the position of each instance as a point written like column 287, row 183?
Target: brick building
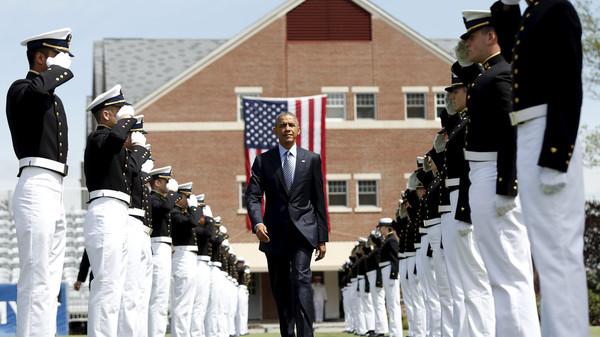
column 384, row 83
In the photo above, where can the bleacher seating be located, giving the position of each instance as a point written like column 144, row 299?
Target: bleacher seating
column 74, row 245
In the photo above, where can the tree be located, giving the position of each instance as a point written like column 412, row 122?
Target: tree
column 591, row 145
column 589, row 14
column 591, row 254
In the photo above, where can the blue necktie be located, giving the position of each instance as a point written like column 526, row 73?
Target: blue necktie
column 288, row 175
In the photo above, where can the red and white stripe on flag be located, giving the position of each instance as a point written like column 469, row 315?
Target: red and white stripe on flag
column 311, row 112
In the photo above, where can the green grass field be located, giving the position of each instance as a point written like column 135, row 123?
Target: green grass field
column 594, row 332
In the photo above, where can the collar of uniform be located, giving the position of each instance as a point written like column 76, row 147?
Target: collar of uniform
column 102, row 126
column 32, row 73
column 491, row 61
column 533, row 2
column 293, row 150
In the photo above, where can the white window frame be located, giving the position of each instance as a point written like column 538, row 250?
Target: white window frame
column 436, row 105
column 239, row 180
column 340, row 177
column 244, row 91
column 355, row 94
column 406, row 105
column 337, row 90
column 368, row 177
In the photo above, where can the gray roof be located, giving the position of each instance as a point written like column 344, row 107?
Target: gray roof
column 143, row 65
column 447, row 45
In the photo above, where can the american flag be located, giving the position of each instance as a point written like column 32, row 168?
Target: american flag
column 259, row 119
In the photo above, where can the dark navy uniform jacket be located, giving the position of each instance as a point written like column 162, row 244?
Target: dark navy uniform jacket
column 36, row 116
column 544, row 45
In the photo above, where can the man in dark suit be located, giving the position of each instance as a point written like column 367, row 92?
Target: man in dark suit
column 294, row 222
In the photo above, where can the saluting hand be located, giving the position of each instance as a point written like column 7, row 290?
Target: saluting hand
column 262, row 233
column 320, row 251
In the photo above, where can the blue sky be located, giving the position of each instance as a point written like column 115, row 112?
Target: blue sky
column 95, row 20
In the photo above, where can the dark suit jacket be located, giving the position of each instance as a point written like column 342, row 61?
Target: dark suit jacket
column 303, row 206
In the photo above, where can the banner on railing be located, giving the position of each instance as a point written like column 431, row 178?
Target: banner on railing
column 8, row 310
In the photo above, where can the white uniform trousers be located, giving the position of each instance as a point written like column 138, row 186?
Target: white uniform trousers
column 428, row 281
column 184, row 272
column 441, row 276
column 366, row 305
column 201, row 299
column 138, row 278
column 347, row 308
column 406, row 295
column 359, row 318
column 241, row 318
column 161, row 283
column 40, row 224
column 392, row 301
column 233, row 292
column 224, row 308
column 505, row 249
column 555, row 224
column 419, row 326
column 378, row 296
column 105, row 232
column 473, row 309
column 211, row 322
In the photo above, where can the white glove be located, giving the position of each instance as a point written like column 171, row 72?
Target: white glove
column 147, row 166
column 552, row 180
column 126, row 111
column 172, row 185
column 462, row 54
column 192, row 201
column 439, row 143
column 504, row 204
column 511, row 2
column 138, row 138
column 207, row 211
column 61, row 60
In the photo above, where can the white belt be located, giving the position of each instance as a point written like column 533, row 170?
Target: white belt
column 44, row 163
column 451, row 182
column 137, row 212
column 384, row 264
column 444, row 208
column 522, row 116
column 422, row 230
column 161, row 239
column 185, row 249
column 432, row 222
column 417, row 245
column 204, row 258
column 110, row 194
column 401, row 255
column 410, row 254
column 360, row 277
column 216, row 264
column 353, row 279
column 143, row 227
column 481, row 156
column 243, row 286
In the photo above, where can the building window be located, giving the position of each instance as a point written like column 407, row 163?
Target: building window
column 415, row 105
column 336, row 105
column 440, row 103
column 367, row 193
column 240, row 107
column 338, row 193
column 242, row 189
column 365, row 105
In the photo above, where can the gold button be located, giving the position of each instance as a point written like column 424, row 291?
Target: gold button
column 462, row 209
column 500, row 179
column 522, row 28
column 515, row 71
column 516, row 57
column 567, row 162
column 57, row 79
column 65, row 73
column 516, row 99
column 518, row 42
column 514, row 187
column 516, row 85
column 572, row 147
column 468, row 96
column 60, row 133
column 553, row 150
column 570, row 154
column 60, row 154
column 55, row 103
column 527, row 15
column 61, row 76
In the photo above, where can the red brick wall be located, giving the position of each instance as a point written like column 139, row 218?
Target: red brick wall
column 213, row 159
